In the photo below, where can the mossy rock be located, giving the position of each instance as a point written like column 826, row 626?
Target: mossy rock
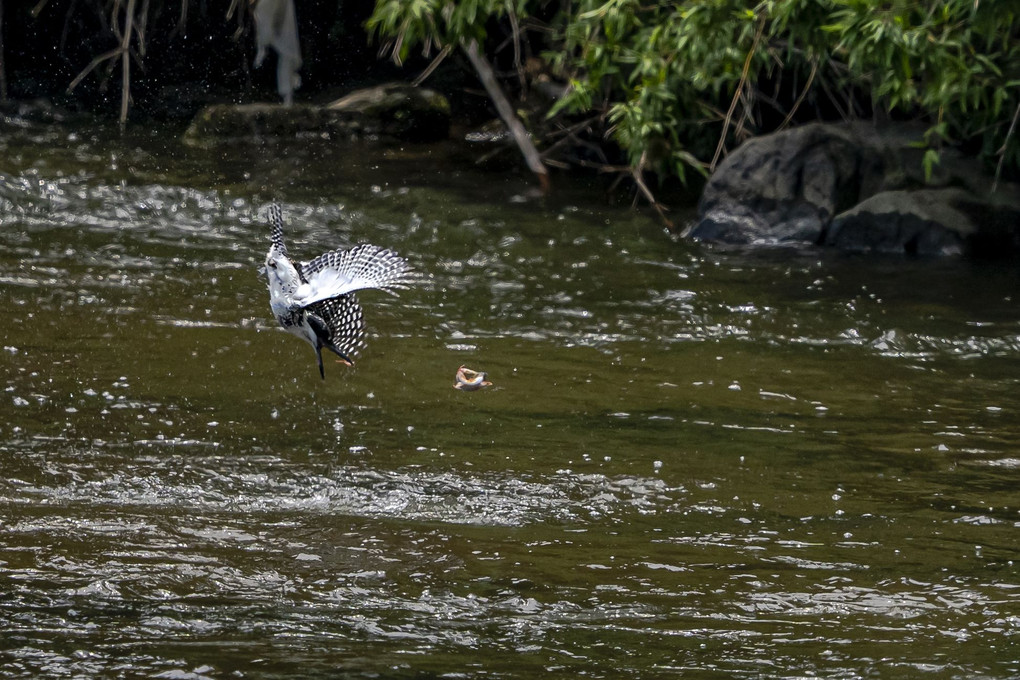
column 232, row 121
column 394, row 111
column 400, row 110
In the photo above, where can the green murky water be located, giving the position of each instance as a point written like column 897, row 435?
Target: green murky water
column 693, row 463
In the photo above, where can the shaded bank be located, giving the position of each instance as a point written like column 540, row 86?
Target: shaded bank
column 641, row 145
column 189, row 53
column 648, row 92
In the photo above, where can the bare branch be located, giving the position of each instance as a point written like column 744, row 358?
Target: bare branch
column 506, row 112
column 38, row 8
column 125, row 84
column 443, row 53
column 516, row 33
column 736, row 95
column 3, row 60
column 112, row 54
column 803, row 94
column 637, row 174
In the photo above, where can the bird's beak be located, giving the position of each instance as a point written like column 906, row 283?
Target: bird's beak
column 262, row 271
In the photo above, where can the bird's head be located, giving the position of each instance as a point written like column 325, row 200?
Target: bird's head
column 280, row 270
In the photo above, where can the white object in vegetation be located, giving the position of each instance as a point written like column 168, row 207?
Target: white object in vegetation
column 276, row 27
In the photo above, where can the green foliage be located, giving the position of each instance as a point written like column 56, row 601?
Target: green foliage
column 435, row 22
column 955, row 62
column 672, row 78
column 661, row 68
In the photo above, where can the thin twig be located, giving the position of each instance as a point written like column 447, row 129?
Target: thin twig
column 745, row 115
column 443, row 53
column 3, row 60
column 235, row 6
column 125, row 84
column 803, row 94
column 112, row 54
column 140, row 29
column 736, row 95
column 515, row 29
column 636, row 174
column 623, row 171
column 398, row 43
column 573, row 128
column 113, row 20
column 67, row 26
column 567, row 135
column 182, row 18
column 835, row 104
column 594, row 148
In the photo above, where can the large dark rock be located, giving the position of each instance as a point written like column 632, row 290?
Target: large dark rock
column 787, row 186
column 945, row 221
column 856, row 188
column 923, row 222
column 395, row 111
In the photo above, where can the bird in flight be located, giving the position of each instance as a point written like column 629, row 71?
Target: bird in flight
column 315, row 300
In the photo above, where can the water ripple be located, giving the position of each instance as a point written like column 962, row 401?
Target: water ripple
column 415, row 495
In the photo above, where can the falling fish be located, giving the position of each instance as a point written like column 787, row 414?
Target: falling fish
column 469, row 380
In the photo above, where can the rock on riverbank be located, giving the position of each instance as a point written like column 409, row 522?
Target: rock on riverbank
column 857, row 188
column 395, row 110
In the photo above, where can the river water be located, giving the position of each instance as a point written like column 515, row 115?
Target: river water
column 693, row 462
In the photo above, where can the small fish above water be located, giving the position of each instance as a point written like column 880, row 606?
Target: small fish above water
column 315, row 300
column 469, row 380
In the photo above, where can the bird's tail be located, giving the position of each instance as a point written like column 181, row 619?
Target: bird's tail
column 276, row 228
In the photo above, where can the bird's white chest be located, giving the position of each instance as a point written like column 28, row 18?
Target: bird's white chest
column 281, row 294
column 280, row 302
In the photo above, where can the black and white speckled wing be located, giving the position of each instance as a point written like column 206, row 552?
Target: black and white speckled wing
column 345, row 323
column 344, row 271
column 276, row 228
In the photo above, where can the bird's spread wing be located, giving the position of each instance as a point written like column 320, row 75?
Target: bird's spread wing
column 344, row 322
column 276, row 228
column 343, row 271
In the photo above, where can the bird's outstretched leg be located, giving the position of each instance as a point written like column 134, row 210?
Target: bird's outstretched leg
column 318, row 357
column 322, row 340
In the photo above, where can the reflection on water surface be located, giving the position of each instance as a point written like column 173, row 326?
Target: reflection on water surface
column 693, row 462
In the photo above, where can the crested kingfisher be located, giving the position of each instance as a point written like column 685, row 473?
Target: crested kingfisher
column 315, row 300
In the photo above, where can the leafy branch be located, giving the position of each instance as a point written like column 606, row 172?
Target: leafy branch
column 665, row 78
